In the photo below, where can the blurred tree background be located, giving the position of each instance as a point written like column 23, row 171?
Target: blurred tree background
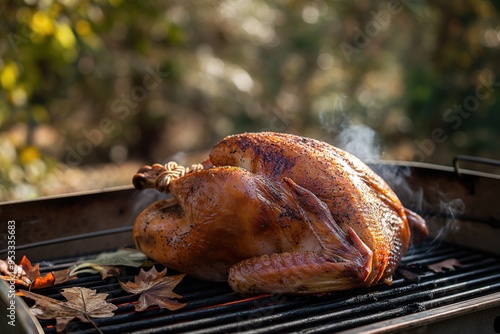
column 93, row 89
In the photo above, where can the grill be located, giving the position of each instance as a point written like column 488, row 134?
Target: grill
column 59, row 231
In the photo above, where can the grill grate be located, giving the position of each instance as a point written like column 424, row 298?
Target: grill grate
column 214, row 308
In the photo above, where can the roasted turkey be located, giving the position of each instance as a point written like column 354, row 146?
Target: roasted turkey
column 277, row 213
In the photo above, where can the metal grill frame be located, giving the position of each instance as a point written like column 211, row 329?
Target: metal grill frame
column 92, row 222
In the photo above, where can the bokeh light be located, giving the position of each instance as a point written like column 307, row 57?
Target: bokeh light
column 92, row 90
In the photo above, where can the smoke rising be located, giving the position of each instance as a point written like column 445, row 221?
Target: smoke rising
column 450, row 211
column 363, row 142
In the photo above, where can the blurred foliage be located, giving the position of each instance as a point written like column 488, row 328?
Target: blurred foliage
column 123, row 82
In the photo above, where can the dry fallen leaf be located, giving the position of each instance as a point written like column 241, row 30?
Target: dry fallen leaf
column 9, row 271
column 33, row 274
column 63, row 275
column 93, row 268
column 155, row 289
column 109, row 264
column 122, row 257
column 82, row 303
column 449, row 264
column 27, row 275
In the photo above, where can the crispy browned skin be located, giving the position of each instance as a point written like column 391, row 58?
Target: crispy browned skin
column 280, row 213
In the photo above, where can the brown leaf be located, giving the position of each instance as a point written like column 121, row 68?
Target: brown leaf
column 82, row 303
column 62, row 276
column 449, row 264
column 12, row 272
column 25, row 274
column 155, row 289
column 17, row 281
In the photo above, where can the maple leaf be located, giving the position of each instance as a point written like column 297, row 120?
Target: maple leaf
column 449, row 264
column 155, row 289
column 82, row 303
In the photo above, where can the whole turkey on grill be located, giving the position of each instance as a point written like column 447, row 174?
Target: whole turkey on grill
column 277, row 213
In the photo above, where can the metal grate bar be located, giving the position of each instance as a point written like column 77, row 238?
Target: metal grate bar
column 382, row 309
column 214, row 308
column 236, row 323
column 404, row 310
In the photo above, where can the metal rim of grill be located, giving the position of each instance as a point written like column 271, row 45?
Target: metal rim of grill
column 439, row 303
column 215, row 308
